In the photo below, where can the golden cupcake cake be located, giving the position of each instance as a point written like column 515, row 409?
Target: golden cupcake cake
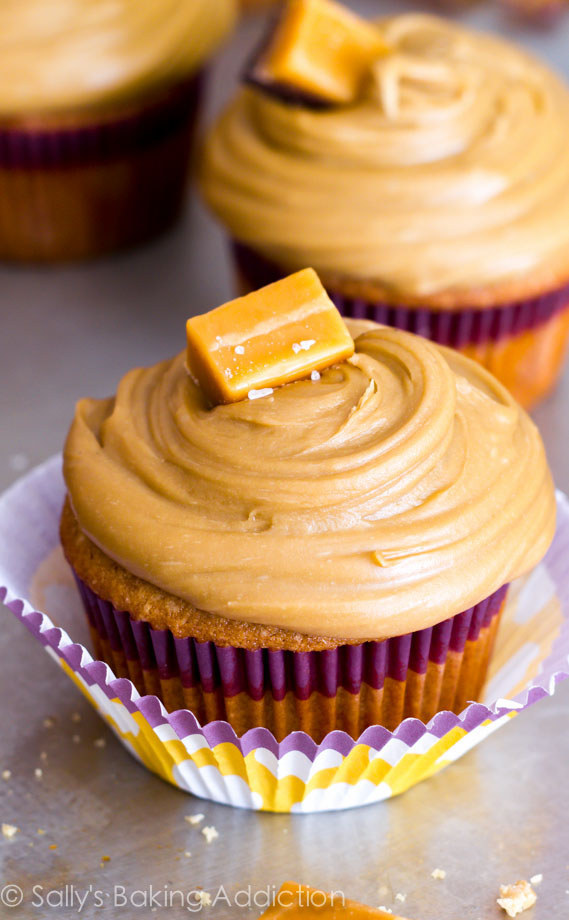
column 329, row 552
column 425, row 177
column 97, row 106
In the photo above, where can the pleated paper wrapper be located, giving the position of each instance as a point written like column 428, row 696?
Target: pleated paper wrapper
column 255, row 771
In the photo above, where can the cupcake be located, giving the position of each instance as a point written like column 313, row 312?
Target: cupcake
column 434, row 198
column 331, row 555
column 97, row 107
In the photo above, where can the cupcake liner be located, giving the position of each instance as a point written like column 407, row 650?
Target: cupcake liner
column 120, row 134
column 256, row 771
column 346, row 688
column 523, row 343
column 85, row 187
column 456, row 329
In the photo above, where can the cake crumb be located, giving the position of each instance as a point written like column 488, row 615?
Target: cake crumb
column 438, row 873
column 514, row 899
column 40, row 831
column 9, row 831
column 38, row 773
column 100, row 742
column 75, row 716
column 400, row 897
column 48, row 723
column 203, row 898
column 43, row 756
column 536, row 879
column 210, row 833
column 6, row 774
column 194, row 819
column 383, row 891
column 76, row 739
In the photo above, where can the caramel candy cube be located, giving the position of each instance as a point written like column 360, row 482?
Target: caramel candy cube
column 280, row 333
column 321, row 48
column 294, row 901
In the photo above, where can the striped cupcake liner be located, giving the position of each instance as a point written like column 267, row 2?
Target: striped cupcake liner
column 346, row 688
column 254, row 770
column 90, row 141
column 455, row 328
column 86, row 188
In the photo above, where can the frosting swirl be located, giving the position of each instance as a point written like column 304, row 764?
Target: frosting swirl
column 451, row 172
column 402, row 487
column 84, row 52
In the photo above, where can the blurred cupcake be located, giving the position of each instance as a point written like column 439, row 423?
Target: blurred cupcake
column 97, row 105
column 434, row 197
column 331, row 556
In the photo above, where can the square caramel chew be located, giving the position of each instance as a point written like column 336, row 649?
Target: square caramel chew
column 322, row 48
column 300, row 902
column 272, row 336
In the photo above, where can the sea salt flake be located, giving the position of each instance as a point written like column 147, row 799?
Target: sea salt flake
column 239, row 350
column 9, row 831
column 315, row 375
column 438, row 873
column 258, row 394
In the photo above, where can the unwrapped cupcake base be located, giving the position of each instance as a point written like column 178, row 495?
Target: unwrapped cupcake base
column 255, row 771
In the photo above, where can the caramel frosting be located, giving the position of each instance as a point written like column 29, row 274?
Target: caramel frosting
column 402, row 487
column 74, row 53
column 450, row 173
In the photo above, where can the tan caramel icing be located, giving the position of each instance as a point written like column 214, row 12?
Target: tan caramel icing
column 402, row 487
column 72, row 53
column 451, row 173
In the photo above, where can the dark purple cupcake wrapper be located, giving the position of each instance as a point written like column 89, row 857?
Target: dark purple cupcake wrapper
column 132, row 129
column 455, row 328
column 256, row 672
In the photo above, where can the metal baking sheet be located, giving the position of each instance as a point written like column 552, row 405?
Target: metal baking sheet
column 114, row 836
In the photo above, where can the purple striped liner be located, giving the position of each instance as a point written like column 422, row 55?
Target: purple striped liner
column 447, row 327
column 133, row 129
column 257, row 671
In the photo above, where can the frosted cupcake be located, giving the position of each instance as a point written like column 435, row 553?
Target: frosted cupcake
column 436, row 199
column 331, row 555
column 97, row 105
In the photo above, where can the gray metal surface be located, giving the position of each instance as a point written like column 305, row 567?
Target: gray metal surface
column 499, row 814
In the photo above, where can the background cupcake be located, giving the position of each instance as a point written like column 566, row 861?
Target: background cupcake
column 97, row 104
column 437, row 200
column 331, row 556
